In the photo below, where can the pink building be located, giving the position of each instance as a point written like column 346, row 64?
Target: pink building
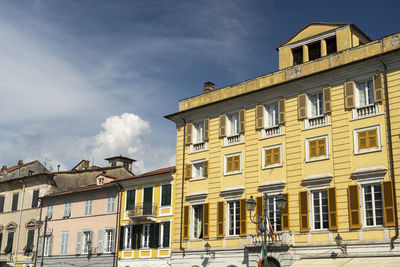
column 81, row 225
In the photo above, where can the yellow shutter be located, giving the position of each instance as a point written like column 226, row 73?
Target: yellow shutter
column 304, row 225
column 333, row 224
column 186, row 222
column 259, row 209
column 188, row 171
column 268, row 157
column 222, row 125
column 321, row 147
column 229, row 164
column 259, row 117
column 354, row 207
column 189, row 131
column 281, row 111
column 220, row 219
column 205, row 168
column 206, row 131
column 313, row 148
column 276, row 156
column 206, row 220
column 388, row 203
column 243, row 216
column 362, row 140
column 378, row 87
column 236, row 163
column 285, row 214
column 302, row 106
column 349, row 94
column 327, row 100
column 372, row 140
column 241, row 121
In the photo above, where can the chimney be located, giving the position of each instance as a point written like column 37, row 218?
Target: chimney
column 208, row 87
column 20, row 163
column 4, row 169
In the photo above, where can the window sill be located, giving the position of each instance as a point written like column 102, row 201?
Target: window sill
column 317, row 159
column 232, row 173
column 316, row 127
column 271, row 136
column 198, row 151
column 197, row 179
column 367, row 151
column 366, row 117
column 272, row 166
column 373, row 227
column 228, row 237
column 234, row 144
column 322, row 231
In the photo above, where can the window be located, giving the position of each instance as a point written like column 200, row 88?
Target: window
column 198, row 169
column 30, row 173
column 113, row 164
column 314, row 51
column 234, row 217
column 128, row 237
column 130, row 199
column 109, row 241
column 274, row 214
column 297, row 55
column 367, row 139
column 198, row 132
column 233, row 163
column 271, row 116
column 166, row 195
column 10, row 241
column 146, row 236
column 320, row 209
column 2, row 203
column 331, row 45
column 373, row 207
column 111, row 203
column 88, row 207
column 67, row 209
column 100, row 181
column 365, row 93
column 87, row 238
column 198, row 221
column 49, row 211
column 317, row 148
column 35, row 199
column 148, row 201
column 165, row 234
column 233, row 124
column 15, row 202
column 64, row 241
column 126, row 165
column 48, row 245
column 29, row 242
column 316, row 105
column 272, row 156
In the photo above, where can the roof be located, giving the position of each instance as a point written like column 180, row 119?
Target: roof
column 92, row 169
column 120, row 157
column 79, row 163
column 155, row 172
column 13, row 168
column 339, row 24
column 81, row 189
column 107, row 175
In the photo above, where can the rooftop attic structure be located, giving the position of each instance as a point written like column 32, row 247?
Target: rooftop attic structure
column 121, row 161
column 318, row 40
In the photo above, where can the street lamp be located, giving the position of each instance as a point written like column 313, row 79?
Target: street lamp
column 207, row 248
column 251, row 205
column 339, row 240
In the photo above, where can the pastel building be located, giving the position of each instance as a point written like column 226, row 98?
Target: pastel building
column 322, row 132
column 147, row 205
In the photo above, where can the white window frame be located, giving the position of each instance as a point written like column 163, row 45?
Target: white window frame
column 67, row 209
column 146, row 238
column 274, row 211
column 196, row 130
column 225, row 163
column 357, row 92
column 50, row 210
column 193, row 217
column 109, row 243
column 111, row 200
column 364, row 212
column 308, row 159
column 319, row 104
column 195, row 162
column 227, row 215
column 46, row 243
column 84, row 248
column 128, row 236
column 88, row 205
column 320, row 208
column 367, row 150
column 162, row 229
column 230, row 124
column 280, row 164
column 64, row 246
column 275, row 115
column 100, row 181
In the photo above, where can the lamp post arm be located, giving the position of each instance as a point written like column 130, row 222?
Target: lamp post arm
column 251, row 218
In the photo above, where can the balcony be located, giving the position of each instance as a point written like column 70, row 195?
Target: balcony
column 277, row 239
column 272, row 131
column 316, row 121
column 198, row 147
column 366, row 111
column 145, row 211
column 233, row 139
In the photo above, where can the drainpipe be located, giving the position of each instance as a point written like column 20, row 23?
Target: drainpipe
column 38, row 229
column 183, row 183
column 19, row 222
column 389, row 130
column 118, row 187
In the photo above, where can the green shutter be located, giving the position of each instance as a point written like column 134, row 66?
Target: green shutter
column 9, row 242
column 166, row 230
column 166, row 195
column 139, row 229
column 134, row 243
column 130, row 199
column 121, row 237
column 154, row 235
column 1, row 239
column 29, row 243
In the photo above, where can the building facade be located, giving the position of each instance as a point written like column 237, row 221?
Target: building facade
column 20, row 189
column 146, row 219
column 322, row 132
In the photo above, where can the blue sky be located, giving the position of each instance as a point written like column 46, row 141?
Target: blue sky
column 93, row 79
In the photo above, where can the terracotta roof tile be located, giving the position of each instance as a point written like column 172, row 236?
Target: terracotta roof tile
column 155, row 172
column 13, row 168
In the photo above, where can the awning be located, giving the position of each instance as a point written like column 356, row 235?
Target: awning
column 350, row 262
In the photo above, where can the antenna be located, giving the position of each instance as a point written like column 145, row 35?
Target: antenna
column 58, row 167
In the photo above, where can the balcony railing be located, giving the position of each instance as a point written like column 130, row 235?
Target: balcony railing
column 233, row 139
column 145, row 209
column 272, row 131
column 198, row 147
column 278, row 239
column 316, row 121
column 366, row 111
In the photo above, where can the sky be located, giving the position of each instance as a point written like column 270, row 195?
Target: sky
column 93, row 79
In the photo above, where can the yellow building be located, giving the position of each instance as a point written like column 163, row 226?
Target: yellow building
column 315, row 132
column 146, row 219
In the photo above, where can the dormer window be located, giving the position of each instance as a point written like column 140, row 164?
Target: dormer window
column 100, row 181
column 314, row 51
column 297, row 55
column 331, row 45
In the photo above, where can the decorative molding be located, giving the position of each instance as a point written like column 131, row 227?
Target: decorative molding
column 234, row 192
column 272, row 187
column 317, row 180
column 197, row 198
column 369, row 173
